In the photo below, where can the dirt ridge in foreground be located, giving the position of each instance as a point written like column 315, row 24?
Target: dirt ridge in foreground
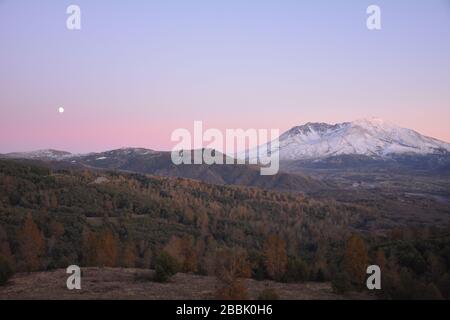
column 120, row 283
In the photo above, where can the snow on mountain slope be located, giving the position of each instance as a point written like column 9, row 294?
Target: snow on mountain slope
column 47, row 154
column 50, row 154
column 371, row 137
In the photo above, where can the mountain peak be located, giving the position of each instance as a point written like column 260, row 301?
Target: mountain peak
column 312, row 128
column 369, row 136
column 372, row 120
column 375, row 123
column 124, row 151
column 47, row 154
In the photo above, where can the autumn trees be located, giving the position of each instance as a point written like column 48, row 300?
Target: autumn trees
column 354, row 265
column 182, row 249
column 50, row 220
column 31, row 245
column 281, row 267
column 128, row 254
column 107, row 249
column 232, row 266
column 275, row 257
column 356, row 260
column 69, row 208
column 102, row 248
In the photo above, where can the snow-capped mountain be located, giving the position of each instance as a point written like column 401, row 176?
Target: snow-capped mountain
column 57, row 155
column 370, row 137
column 116, row 153
column 47, row 154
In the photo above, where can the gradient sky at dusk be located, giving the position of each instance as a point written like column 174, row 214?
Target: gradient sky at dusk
column 140, row 69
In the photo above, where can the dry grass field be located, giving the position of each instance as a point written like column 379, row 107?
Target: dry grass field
column 118, row 283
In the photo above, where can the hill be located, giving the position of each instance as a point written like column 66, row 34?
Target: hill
column 50, row 219
column 159, row 163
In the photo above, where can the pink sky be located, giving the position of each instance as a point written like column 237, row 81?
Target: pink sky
column 136, row 72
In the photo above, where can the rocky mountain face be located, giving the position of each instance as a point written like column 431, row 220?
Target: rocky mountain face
column 369, row 137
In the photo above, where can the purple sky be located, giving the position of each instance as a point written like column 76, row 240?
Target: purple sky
column 140, row 69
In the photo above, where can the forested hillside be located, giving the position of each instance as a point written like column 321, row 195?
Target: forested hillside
column 52, row 219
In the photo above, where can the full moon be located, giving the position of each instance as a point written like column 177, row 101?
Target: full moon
column 61, row 110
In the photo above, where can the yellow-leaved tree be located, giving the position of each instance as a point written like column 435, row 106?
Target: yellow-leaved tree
column 31, row 245
column 356, row 260
column 275, row 257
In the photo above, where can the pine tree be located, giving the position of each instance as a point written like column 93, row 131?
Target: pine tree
column 5, row 249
